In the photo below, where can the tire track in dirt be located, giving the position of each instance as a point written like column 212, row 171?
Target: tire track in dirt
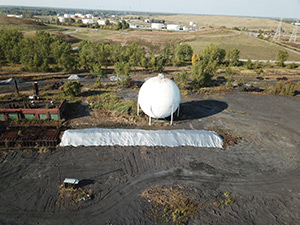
column 136, row 186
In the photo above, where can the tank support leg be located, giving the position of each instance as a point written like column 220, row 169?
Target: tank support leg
column 178, row 110
column 149, row 120
column 172, row 113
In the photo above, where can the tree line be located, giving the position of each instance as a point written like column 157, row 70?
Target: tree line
column 45, row 52
column 42, row 52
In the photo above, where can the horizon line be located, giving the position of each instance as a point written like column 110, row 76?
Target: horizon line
column 133, row 11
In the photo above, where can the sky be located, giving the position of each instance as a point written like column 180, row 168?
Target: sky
column 260, row 8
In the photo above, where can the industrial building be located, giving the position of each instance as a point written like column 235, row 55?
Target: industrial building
column 88, row 21
column 101, row 22
column 173, row 27
column 157, row 26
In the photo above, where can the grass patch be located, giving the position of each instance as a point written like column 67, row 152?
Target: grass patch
column 250, row 47
column 225, row 21
column 88, row 33
column 43, row 150
column 110, row 101
column 170, row 204
column 69, row 197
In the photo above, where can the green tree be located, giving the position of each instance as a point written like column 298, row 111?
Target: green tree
column 249, row 65
column 97, row 70
column 36, row 52
column 125, row 25
column 204, row 69
column 202, row 73
column 184, row 52
column 72, row 88
column 168, row 53
column 85, row 59
column 10, row 45
column 122, row 70
column 232, row 57
column 61, row 53
column 181, row 79
column 157, row 63
column 213, row 53
column 119, row 26
column 107, row 23
column 282, row 56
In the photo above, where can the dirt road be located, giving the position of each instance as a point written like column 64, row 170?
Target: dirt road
column 261, row 172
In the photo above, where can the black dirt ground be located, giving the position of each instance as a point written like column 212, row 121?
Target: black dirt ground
column 261, row 171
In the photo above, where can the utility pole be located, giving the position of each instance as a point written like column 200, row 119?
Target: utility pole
column 293, row 37
column 278, row 31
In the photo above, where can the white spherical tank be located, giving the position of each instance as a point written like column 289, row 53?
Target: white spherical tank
column 159, row 97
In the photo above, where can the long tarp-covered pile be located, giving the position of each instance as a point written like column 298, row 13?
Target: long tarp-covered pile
column 136, row 137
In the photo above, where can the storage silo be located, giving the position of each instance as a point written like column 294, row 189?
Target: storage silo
column 159, row 97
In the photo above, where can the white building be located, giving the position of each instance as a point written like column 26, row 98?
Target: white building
column 173, row 27
column 297, row 24
column 133, row 26
column 16, row 16
column 101, row 22
column 88, row 21
column 67, row 16
column 89, row 16
column 78, row 15
column 61, row 19
column 191, row 23
column 157, row 26
column 147, row 21
column 185, row 28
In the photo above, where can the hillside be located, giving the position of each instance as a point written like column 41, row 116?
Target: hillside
column 251, row 23
column 21, row 24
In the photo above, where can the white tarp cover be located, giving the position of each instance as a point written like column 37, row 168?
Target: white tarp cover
column 136, row 137
column 74, row 77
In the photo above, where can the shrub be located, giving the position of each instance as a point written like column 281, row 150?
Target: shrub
column 72, row 88
column 229, row 71
column 249, row 65
column 282, row 56
column 181, row 79
column 285, row 88
column 122, row 70
column 292, row 66
column 184, row 52
column 232, row 57
column 204, row 69
column 43, row 150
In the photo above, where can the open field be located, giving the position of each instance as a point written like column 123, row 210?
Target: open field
column 250, row 47
column 228, row 21
column 89, row 34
